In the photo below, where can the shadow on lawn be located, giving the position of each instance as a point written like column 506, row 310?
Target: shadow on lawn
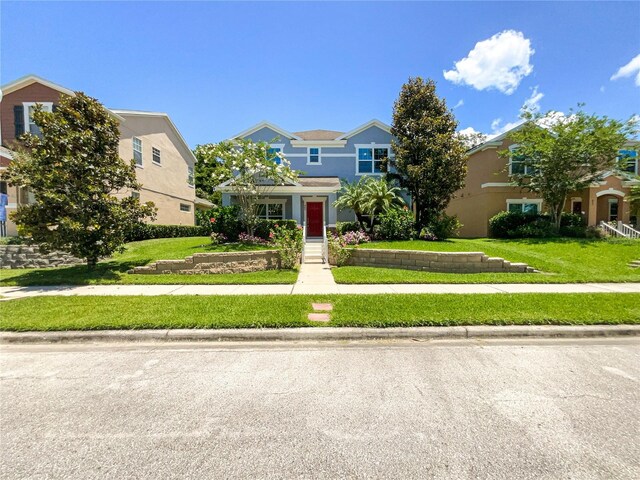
column 76, row 275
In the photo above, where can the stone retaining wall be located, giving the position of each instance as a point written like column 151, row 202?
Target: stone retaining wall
column 232, row 262
column 29, row 256
column 445, row 262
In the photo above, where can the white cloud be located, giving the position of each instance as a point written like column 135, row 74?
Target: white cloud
column 500, row 62
column 532, row 104
column 498, row 129
column 631, row 68
column 470, row 131
column 459, row 104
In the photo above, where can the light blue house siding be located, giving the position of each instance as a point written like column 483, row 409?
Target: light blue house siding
column 318, row 182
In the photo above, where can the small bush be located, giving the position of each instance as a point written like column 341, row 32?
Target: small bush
column 426, row 234
column 344, row 227
column 338, row 251
column 224, row 220
column 147, row 231
column 445, row 226
column 289, row 244
column 594, row 232
column 395, row 224
column 356, row 238
column 528, row 225
column 246, row 239
column 573, row 225
column 217, row 238
column 265, row 227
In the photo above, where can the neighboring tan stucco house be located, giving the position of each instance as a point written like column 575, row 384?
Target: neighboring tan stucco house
column 164, row 161
column 325, row 157
column 488, row 191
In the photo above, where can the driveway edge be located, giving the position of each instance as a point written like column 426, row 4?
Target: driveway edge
column 322, row 334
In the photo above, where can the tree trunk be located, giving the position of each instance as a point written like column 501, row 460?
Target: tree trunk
column 361, row 221
column 556, row 213
column 91, row 263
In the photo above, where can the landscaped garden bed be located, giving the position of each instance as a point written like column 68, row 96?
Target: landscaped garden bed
column 279, row 311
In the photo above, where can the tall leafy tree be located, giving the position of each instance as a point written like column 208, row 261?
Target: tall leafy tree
column 251, row 171
column 430, row 160
column 74, row 171
column 207, row 169
column 557, row 154
column 380, row 197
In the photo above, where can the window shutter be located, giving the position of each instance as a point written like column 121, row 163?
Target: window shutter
column 54, row 107
column 18, row 119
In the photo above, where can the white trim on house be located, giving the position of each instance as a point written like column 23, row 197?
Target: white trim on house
column 497, row 184
column 273, row 201
column 365, row 126
column 284, row 189
column 372, row 146
column 314, row 199
column 6, row 153
column 525, row 201
column 318, row 143
column 266, row 124
column 611, row 191
column 575, row 200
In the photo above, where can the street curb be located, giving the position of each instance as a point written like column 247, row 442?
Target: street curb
column 323, row 334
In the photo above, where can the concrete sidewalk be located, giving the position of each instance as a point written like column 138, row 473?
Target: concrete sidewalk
column 315, row 289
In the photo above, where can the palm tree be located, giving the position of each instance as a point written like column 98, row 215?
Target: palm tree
column 381, row 197
column 352, row 196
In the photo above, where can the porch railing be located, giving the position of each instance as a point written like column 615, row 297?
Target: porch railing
column 611, row 230
column 325, row 244
column 304, row 238
column 628, row 231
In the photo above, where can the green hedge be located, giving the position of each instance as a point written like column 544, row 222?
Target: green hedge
column 146, row 231
column 528, row 225
column 344, row 227
column 264, row 227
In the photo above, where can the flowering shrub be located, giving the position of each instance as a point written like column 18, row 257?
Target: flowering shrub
column 355, row 238
column 246, row 239
column 289, row 244
column 426, row 234
column 338, row 251
column 217, row 238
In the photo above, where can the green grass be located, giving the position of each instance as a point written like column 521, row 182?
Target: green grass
column 114, row 270
column 561, row 261
column 99, row 313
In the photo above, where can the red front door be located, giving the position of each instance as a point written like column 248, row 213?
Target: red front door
column 314, row 219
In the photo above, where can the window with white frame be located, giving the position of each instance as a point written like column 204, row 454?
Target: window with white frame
column 524, row 206
column 518, row 164
column 137, row 151
column 629, row 161
column 190, row 176
column 273, row 150
column 155, row 155
column 369, row 158
column 185, row 207
column 314, row 156
column 271, row 210
column 29, row 122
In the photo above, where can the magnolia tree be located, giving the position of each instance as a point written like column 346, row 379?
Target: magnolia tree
column 250, row 171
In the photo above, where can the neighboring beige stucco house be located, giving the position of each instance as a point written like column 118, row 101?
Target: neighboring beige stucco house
column 164, row 161
column 488, row 191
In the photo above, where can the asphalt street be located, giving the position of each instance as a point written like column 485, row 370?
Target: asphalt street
column 491, row 409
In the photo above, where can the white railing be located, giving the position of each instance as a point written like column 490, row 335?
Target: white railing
column 611, row 230
column 325, row 244
column 304, row 238
column 628, row 231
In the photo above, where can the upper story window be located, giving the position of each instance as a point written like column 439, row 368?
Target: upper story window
column 29, row 124
column 155, row 155
column 369, row 158
column 190, row 177
column 518, row 164
column 314, row 156
column 275, row 148
column 630, row 161
column 137, row 151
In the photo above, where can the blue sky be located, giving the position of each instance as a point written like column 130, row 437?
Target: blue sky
column 219, row 67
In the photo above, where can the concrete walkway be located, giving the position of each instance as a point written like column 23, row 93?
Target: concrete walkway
column 309, row 285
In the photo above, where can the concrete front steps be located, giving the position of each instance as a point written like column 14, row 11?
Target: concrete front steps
column 313, row 250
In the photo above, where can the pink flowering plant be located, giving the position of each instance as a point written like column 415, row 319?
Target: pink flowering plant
column 218, row 238
column 355, row 237
column 289, row 244
column 247, row 239
column 338, row 252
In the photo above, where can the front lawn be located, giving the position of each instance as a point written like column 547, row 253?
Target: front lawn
column 277, row 311
column 114, row 270
column 561, row 260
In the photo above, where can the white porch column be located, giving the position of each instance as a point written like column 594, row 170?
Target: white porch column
column 333, row 211
column 295, row 208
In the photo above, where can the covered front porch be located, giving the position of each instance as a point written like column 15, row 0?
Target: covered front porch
column 309, row 202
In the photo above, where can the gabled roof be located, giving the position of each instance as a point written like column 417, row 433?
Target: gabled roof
column 318, row 134
column 365, row 126
column 269, row 125
column 30, row 79
column 495, row 141
column 138, row 113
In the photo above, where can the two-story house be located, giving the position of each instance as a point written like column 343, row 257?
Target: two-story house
column 325, row 157
column 488, row 190
column 164, row 161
